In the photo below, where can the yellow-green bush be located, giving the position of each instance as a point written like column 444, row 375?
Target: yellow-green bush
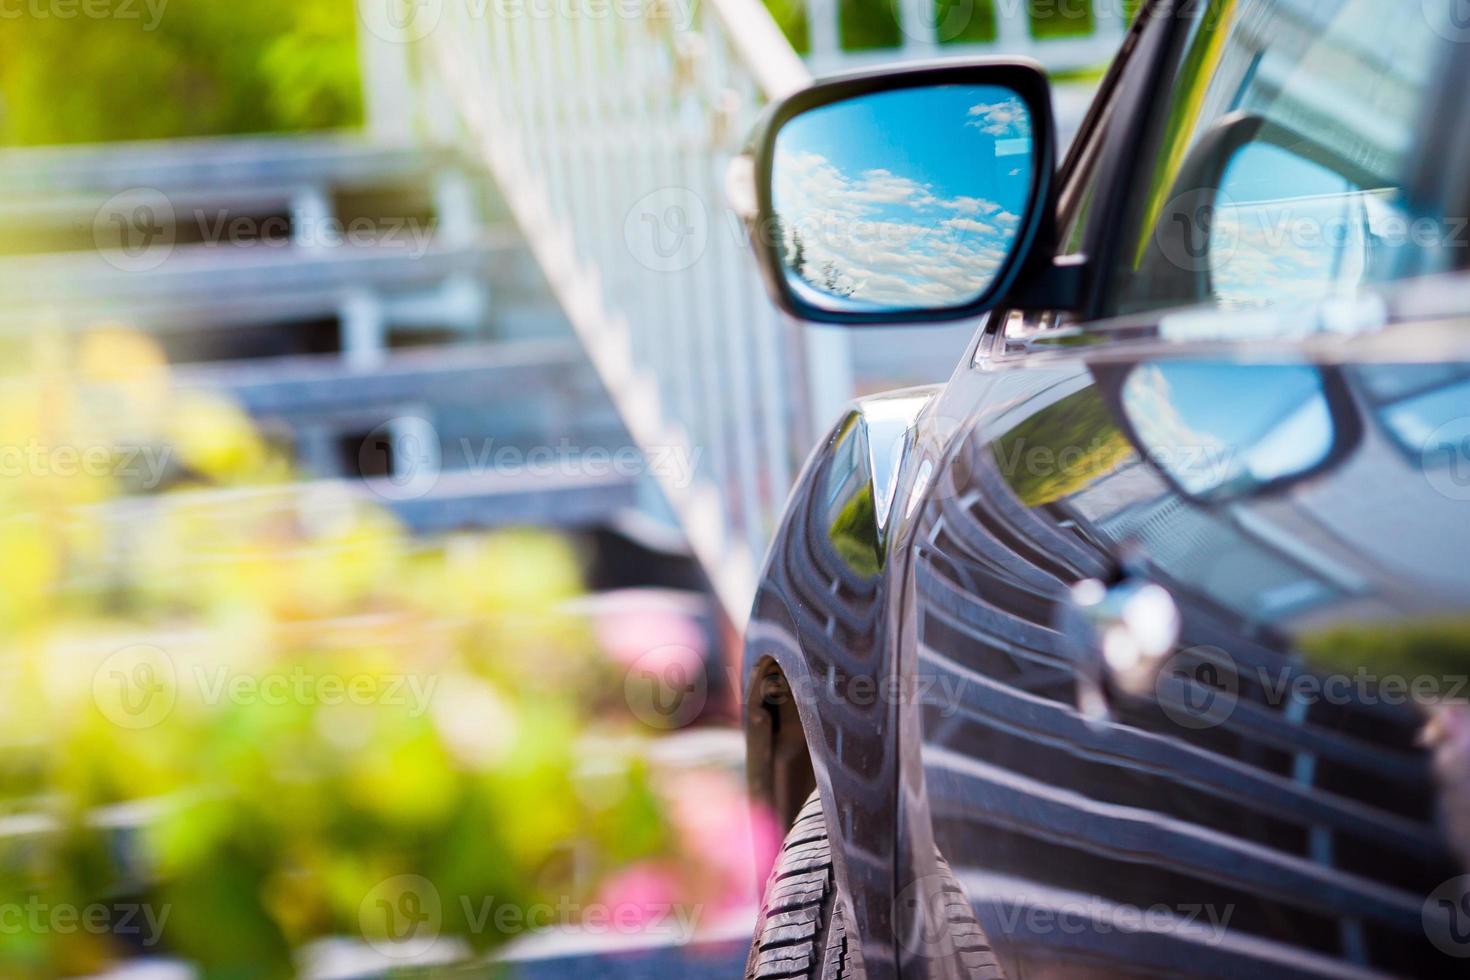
column 259, row 711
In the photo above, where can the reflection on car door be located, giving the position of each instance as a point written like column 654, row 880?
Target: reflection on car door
column 1268, row 803
column 1285, row 794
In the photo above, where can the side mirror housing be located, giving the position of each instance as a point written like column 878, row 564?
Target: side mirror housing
column 1261, row 213
column 1220, row 431
column 908, row 196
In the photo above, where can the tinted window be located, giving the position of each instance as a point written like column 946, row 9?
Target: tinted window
column 1276, row 165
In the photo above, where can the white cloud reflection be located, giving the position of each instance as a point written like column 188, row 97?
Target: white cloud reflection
column 884, row 239
column 1007, row 118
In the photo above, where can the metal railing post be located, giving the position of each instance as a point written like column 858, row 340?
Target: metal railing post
column 609, row 139
column 387, row 82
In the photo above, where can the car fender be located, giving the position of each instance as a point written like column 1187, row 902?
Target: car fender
column 818, row 655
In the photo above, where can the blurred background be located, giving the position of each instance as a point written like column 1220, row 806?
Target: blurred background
column 391, row 428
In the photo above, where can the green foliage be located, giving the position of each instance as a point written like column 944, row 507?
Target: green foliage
column 175, row 68
column 867, row 24
column 965, row 21
column 1425, row 647
column 790, row 16
column 1061, row 450
column 297, row 706
column 874, row 24
column 1061, row 18
column 854, row 534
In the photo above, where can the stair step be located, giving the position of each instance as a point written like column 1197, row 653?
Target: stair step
column 460, row 500
column 251, row 167
column 210, row 276
column 292, row 385
column 206, row 302
column 451, row 501
column 82, row 198
column 539, row 401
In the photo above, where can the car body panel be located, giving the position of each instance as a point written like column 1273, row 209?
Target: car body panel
column 1238, row 819
column 1277, row 834
column 820, row 617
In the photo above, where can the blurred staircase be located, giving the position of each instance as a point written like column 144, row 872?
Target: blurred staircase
column 373, row 309
column 366, row 305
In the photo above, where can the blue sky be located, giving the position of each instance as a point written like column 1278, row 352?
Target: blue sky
column 926, row 135
column 909, row 198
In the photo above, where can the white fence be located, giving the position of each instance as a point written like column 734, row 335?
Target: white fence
column 609, row 126
column 1085, row 32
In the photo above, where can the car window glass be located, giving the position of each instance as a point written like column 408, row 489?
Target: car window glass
column 1276, row 172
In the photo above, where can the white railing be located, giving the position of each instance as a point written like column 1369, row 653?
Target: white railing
column 609, row 126
column 927, row 29
column 609, row 136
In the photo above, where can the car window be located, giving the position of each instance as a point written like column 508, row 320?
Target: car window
column 1274, row 172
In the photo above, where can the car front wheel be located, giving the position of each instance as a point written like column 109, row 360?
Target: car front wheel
column 801, row 933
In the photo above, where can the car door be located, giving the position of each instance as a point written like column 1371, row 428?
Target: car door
column 1185, row 587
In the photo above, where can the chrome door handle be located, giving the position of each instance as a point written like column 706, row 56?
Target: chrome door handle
column 1122, row 635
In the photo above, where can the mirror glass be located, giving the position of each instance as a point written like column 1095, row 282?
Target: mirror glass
column 909, row 199
column 1288, row 228
column 1225, row 430
column 1422, row 407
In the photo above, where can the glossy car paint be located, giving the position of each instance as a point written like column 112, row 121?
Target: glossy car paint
column 916, row 604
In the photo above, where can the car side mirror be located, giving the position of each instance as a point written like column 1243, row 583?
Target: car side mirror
column 1261, row 213
column 1223, row 430
column 906, row 196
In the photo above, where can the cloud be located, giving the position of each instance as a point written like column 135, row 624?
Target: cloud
column 968, row 224
column 883, row 238
column 1008, row 118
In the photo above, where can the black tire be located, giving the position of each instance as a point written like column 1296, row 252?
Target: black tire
column 801, row 934
column 965, row 940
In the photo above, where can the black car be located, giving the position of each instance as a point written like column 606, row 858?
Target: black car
column 1140, row 647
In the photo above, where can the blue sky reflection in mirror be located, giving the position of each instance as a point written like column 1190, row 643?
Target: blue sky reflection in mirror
column 902, row 200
